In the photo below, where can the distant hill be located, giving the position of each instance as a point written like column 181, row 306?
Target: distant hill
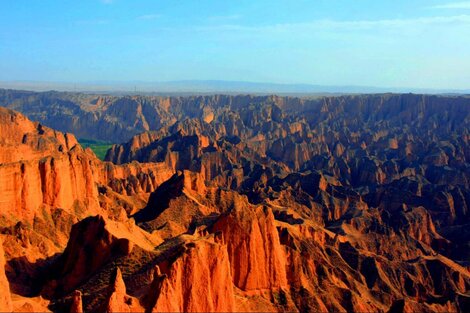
column 213, row 86
column 116, row 118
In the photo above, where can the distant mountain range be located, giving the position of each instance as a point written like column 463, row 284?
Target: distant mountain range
column 213, row 86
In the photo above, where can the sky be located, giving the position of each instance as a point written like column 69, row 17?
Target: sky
column 383, row 43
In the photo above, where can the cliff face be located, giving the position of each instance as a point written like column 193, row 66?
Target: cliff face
column 198, row 281
column 257, row 260
column 44, row 167
column 48, row 182
column 40, row 166
column 22, row 139
column 236, row 203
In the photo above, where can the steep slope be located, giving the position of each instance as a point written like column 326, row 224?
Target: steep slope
column 256, row 256
column 202, row 270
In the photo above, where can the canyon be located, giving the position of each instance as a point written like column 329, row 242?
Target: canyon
column 218, row 203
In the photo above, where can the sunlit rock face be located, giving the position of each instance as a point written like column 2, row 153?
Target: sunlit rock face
column 5, row 298
column 235, row 203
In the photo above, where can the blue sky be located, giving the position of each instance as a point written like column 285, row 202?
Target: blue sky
column 395, row 43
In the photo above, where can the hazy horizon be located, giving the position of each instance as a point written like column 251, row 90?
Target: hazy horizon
column 212, row 87
column 404, row 45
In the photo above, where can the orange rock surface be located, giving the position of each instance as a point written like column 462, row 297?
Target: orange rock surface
column 235, row 203
column 198, row 281
column 5, row 297
column 256, row 257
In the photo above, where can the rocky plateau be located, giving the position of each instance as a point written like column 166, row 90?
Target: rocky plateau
column 235, row 203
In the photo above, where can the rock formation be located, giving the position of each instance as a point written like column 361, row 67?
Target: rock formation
column 235, row 203
column 256, row 257
column 5, row 297
column 198, row 281
column 118, row 300
column 76, row 305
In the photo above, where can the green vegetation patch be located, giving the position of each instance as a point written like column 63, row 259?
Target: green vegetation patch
column 99, row 147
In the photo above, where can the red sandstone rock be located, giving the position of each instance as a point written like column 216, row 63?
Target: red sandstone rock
column 118, row 300
column 368, row 194
column 5, row 297
column 76, row 306
column 256, row 257
column 198, row 281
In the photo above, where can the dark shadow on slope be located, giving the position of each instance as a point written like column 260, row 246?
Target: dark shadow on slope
column 160, row 199
column 27, row 278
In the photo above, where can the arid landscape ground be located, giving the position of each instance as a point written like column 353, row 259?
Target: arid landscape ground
column 224, row 203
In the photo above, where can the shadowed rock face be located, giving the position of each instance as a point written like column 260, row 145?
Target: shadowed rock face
column 90, row 246
column 330, row 154
column 236, row 203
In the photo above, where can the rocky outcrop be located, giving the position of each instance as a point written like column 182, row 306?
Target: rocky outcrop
column 321, row 264
column 118, row 300
column 133, row 178
column 76, row 306
column 90, row 246
column 94, row 242
column 182, row 271
column 5, row 296
column 50, row 168
column 23, row 139
column 40, row 166
column 197, row 281
column 49, row 183
column 256, row 258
